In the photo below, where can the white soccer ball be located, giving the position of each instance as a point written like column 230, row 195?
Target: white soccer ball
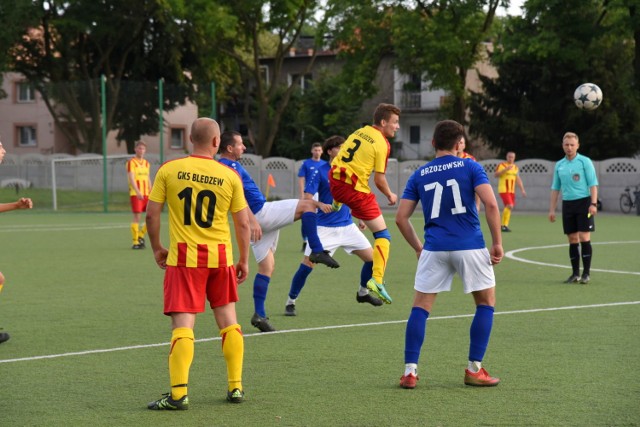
column 587, row 96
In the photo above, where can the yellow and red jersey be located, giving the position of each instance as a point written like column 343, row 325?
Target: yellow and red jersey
column 141, row 170
column 466, row 155
column 364, row 152
column 507, row 181
column 200, row 192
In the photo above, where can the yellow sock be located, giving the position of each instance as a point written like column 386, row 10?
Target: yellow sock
column 180, row 358
column 506, row 216
column 134, row 232
column 233, row 351
column 142, row 231
column 380, row 257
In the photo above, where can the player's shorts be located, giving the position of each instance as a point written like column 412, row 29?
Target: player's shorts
column 436, row 269
column 349, row 238
column 508, row 198
column 187, row 288
column 363, row 205
column 272, row 217
column 575, row 216
column 137, row 205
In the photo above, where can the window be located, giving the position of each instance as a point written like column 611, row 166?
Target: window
column 25, row 92
column 305, row 80
column 177, row 138
column 414, row 134
column 26, row 136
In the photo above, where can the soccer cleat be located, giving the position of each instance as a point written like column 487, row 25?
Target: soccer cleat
column 505, row 229
column 585, row 279
column 262, row 323
column 141, row 242
column 409, row 381
column 138, row 246
column 235, row 396
column 379, row 290
column 4, row 337
column 480, row 378
column 290, row 310
column 167, row 403
column 323, row 258
column 369, row 298
column 574, row 278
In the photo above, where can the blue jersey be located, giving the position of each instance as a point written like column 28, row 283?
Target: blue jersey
column 308, row 168
column 446, row 189
column 574, row 177
column 252, row 193
column 318, row 182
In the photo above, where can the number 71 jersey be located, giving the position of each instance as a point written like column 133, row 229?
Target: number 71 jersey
column 200, row 193
column 365, row 151
column 445, row 187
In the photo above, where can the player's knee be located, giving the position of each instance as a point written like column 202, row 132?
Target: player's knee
column 382, row 234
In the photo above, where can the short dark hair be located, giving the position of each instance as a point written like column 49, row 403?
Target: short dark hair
column 316, row 144
column 227, row 138
column 384, row 112
column 332, row 142
column 446, row 134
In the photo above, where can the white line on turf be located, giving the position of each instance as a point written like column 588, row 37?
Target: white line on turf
column 511, row 255
column 59, row 227
column 321, row 328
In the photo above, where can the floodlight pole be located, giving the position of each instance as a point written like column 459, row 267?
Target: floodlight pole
column 105, row 198
column 213, row 101
column 161, row 118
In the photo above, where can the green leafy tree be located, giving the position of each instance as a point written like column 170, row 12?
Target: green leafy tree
column 68, row 45
column 541, row 58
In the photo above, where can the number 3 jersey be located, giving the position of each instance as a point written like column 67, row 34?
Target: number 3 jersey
column 445, row 187
column 365, row 151
column 200, row 192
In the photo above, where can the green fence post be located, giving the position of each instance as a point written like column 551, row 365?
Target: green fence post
column 161, row 118
column 103, row 98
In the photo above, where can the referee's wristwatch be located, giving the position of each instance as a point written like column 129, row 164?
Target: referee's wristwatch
column 594, row 204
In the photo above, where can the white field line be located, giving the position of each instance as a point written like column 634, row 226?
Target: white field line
column 59, row 227
column 511, row 255
column 322, row 328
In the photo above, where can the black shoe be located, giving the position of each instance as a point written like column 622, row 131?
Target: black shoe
column 574, row 278
column 505, row 229
column 138, row 246
column 235, row 396
column 370, row 299
column 141, row 242
column 323, row 258
column 585, row 279
column 4, row 337
column 167, row 403
column 290, row 310
column 262, row 323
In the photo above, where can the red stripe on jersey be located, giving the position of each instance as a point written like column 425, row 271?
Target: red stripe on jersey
column 222, row 255
column 203, row 255
column 182, row 255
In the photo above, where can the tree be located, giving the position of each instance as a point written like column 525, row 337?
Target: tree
column 541, row 58
column 68, row 45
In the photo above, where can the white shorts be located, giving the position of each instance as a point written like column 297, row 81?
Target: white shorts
column 349, row 238
column 436, row 269
column 272, row 217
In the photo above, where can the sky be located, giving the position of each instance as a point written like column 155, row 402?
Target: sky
column 514, row 8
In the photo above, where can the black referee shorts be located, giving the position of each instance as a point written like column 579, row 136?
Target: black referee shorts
column 575, row 216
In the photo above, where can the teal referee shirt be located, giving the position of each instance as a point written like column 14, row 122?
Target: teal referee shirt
column 574, row 177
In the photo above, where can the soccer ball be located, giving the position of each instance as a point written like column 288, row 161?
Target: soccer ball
column 587, row 96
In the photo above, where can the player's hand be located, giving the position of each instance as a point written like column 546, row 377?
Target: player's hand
column 139, row 196
column 496, row 253
column 552, row 216
column 161, row 257
column 324, row 207
column 242, row 271
column 524, row 194
column 256, row 231
column 393, row 198
column 24, row 203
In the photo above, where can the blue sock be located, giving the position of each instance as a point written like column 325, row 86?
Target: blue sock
column 298, row 281
column 310, row 229
column 260, row 287
column 480, row 332
column 414, row 335
column 366, row 273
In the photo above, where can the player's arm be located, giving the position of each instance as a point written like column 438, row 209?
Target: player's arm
column 492, row 214
column 403, row 221
column 593, row 191
column 132, row 181
column 301, row 182
column 499, row 171
column 256, row 229
column 553, row 203
column 243, row 235
column 22, row 203
column 152, row 219
column 521, row 186
column 380, row 180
